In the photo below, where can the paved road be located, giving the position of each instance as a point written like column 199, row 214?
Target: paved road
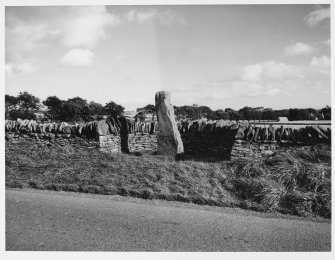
column 40, row 220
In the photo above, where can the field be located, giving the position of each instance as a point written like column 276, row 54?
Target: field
column 298, row 184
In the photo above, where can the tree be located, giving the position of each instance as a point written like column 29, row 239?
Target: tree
column 269, row 114
column 142, row 112
column 221, row 114
column 326, row 111
column 10, row 100
column 96, row 108
column 10, row 104
column 18, row 113
column 28, row 102
column 74, row 109
column 258, row 112
column 282, row 113
column 186, row 112
column 233, row 115
column 148, row 109
column 113, row 109
column 54, row 105
column 204, row 111
column 23, row 106
column 295, row 114
column 93, row 111
column 248, row 113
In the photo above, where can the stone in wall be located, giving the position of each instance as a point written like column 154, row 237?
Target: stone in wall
column 142, row 142
column 168, row 136
column 110, row 144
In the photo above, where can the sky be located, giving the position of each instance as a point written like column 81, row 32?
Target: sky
column 221, row 56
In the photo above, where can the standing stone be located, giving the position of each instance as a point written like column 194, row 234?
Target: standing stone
column 124, row 135
column 168, row 136
column 102, row 128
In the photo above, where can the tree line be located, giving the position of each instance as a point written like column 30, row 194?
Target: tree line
column 76, row 109
column 245, row 113
column 26, row 105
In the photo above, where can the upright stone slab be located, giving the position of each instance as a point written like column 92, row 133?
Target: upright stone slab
column 124, row 135
column 102, row 127
column 168, row 136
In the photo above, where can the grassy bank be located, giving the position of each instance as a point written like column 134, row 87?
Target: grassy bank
column 298, row 184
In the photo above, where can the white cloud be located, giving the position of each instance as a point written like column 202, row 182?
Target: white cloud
column 252, row 72
column 233, row 88
column 23, row 39
column 299, row 49
column 317, row 16
column 87, row 26
column 146, row 16
column 273, row 91
column 78, row 58
column 163, row 16
column 326, row 42
column 130, row 16
column 280, row 71
column 268, row 79
column 321, row 64
column 73, row 27
column 270, row 70
column 15, row 70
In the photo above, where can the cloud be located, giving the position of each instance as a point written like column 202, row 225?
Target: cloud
column 71, row 27
column 78, row 58
column 236, row 88
column 317, row 16
column 146, row 16
column 268, row 79
column 273, row 91
column 87, row 26
column 271, row 70
column 321, row 64
column 299, row 49
column 252, row 72
column 16, row 70
column 162, row 16
column 326, row 42
column 32, row 29
column 23, row 39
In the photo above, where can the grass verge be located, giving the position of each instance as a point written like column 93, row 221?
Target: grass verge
column 297, row 183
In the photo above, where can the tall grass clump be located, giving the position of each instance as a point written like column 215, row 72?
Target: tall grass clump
column 296, row 183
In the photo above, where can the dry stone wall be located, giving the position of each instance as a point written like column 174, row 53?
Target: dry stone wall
column 52, row 139
column 97, row 134
column 243, row 149
column 138, row 136
column 201, row 138
column 231, row 139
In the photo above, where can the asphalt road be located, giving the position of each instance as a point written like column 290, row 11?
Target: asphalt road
column 40, row 220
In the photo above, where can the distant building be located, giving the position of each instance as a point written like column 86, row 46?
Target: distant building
column 129, row 114
column 283, row 119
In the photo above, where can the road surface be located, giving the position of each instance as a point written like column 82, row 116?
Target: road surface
column 44, row 220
